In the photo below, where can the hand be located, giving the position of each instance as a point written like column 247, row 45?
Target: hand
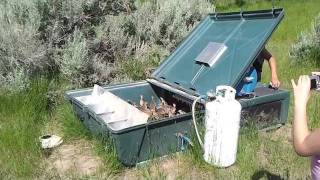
column 275, row 83
column 301, row 90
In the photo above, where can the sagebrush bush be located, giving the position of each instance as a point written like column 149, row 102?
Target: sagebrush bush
column 22, row 54
column 125, row 44
column 90, row 41
column 307, row 48
column 143, row 38
column 73, row 56
column 226, row 3
column 71, row 30
column 39, row 37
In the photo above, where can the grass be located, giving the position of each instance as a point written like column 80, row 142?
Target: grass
column 24, row 117
column 70, row 126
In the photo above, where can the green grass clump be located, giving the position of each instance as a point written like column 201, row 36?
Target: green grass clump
column 21, row 117
column 106, row 150
column 69, row 124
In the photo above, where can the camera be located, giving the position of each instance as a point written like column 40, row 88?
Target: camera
column 315, row 81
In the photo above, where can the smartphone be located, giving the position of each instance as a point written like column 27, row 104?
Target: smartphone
column 314, row 81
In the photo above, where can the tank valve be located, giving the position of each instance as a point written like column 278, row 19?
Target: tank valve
column 211, row 95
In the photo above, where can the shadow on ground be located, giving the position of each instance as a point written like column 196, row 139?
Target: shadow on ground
column 266, row 174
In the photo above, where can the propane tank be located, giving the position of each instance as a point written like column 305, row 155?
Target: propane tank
column 222, row 124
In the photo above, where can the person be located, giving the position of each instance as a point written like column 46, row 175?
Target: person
column 258, row 63
column 305, row 142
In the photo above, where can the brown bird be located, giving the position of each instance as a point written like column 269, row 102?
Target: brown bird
column 172, row 110
column 161, row 112
column 163, row 102
column 141, row 100
column 154, row 115
column 165, row 106
column 143, row 105
column 145, row 108
column 153, row 104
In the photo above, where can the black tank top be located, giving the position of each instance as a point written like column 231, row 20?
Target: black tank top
column 258, row 63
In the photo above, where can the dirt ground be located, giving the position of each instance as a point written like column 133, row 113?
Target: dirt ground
column 76, row 158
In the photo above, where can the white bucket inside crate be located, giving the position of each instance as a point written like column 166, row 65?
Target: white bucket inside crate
column 115, row 112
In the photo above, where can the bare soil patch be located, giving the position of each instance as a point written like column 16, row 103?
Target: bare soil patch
column 77, row 159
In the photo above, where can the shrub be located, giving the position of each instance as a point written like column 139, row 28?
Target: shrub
column 143, row 38
column 124, row 43
column 90, row 41
column 69, row 30
column 227, row 3
column 22, row 55
column 308, row 45
column 73, row 57
column 39, row 37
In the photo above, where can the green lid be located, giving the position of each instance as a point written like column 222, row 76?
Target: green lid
column 218, row 51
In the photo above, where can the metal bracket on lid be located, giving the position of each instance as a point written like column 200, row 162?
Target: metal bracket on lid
column 211, row 54
column 241, row 12
column 272, row 5
column 273, row 8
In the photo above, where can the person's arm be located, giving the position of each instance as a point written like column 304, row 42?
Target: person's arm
column 305, row 143
column 273, row 67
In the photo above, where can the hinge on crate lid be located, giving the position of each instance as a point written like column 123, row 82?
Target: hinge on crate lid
column 172, row 89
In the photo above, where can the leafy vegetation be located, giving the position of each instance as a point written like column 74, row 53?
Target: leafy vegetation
column 78, row 43
column 308, row 45
column 88, row 42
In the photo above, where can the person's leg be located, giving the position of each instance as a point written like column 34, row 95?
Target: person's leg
column 258, row 76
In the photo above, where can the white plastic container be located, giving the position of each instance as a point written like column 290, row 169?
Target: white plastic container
column 222, row 123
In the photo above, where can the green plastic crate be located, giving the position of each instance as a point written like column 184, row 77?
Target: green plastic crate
column 180, row 79
column 158, row 138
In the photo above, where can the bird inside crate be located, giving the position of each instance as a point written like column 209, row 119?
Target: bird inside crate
column 158, row 111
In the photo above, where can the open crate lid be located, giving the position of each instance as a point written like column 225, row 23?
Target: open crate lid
column 218, row 51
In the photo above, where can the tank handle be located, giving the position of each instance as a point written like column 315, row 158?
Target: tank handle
column 225, row 92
